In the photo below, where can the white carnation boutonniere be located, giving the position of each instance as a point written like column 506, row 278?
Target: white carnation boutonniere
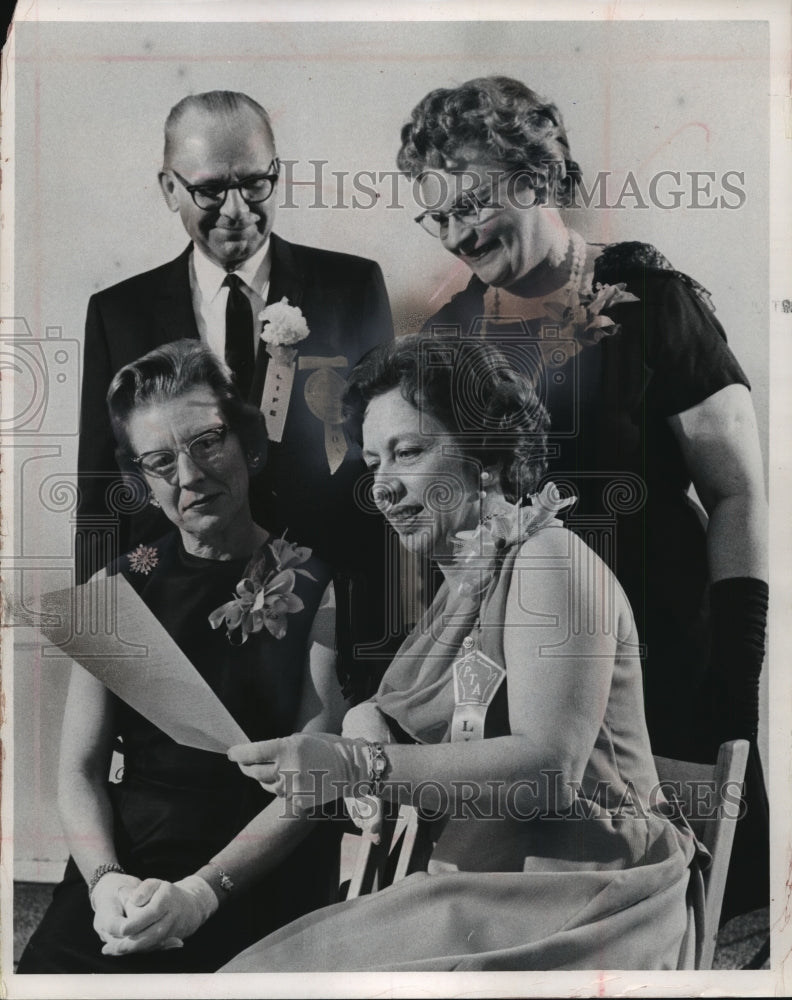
column 265, row 594
column 283, row 326
column 583, row 317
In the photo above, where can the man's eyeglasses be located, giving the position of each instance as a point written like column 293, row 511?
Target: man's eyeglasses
column 253, row 189
column 473, row 208
column 205, row 449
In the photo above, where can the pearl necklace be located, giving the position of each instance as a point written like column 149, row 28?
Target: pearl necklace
column 578, row 260
column 573, row 282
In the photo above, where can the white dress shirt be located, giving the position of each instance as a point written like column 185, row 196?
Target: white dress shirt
column 209, row 296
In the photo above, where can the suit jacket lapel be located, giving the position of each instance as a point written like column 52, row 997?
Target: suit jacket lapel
column 173, row 304
column 286, row 275
column 286, row 281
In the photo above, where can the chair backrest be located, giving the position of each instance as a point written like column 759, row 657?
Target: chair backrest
column 710, row 798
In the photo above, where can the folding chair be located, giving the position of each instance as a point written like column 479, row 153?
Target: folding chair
column 709, row 798
column 375, row 862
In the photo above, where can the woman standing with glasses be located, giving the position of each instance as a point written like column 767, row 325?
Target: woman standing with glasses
column 644, row 398
column 173, row 868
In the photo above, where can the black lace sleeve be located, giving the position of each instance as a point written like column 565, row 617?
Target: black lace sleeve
column 616, row 258
column 681, row 342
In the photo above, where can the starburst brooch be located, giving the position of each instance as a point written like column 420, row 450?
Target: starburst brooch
column 143, row 559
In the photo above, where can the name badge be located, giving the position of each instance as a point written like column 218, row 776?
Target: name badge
column 476, row 680
column 275, row 398
column 324, row 390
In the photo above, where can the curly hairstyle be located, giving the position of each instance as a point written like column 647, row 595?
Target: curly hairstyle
column 167, row 373
column 504, row 120
column 472, row 390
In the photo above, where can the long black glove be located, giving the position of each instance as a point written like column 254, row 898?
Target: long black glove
column 739, row 619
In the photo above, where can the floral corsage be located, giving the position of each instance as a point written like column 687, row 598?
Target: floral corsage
column 582, row 316
column 265, row 594
column 283, row 326
column 477, row 550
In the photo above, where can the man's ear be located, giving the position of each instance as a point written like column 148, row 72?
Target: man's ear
column 167, row 185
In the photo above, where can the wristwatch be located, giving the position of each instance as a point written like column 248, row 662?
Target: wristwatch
column 379, row 765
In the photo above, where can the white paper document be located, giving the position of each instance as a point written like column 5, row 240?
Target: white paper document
column 106, row 628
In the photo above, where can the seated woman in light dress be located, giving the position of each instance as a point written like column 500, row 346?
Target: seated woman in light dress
column 514, row 708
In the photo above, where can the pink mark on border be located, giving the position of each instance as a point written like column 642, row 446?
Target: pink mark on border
column 670, row 139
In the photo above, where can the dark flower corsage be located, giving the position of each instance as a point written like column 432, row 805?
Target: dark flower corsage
column 265, row 594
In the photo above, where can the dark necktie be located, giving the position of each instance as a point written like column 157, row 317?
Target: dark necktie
column 239, row 335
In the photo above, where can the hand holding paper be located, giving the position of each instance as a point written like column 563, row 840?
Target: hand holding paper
column 308, row 768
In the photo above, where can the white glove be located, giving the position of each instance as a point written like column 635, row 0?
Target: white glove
column 366, row 721
column 109, row 902
column 161, row 915
column 308, row 768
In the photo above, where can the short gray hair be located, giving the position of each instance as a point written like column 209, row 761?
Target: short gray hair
column 167, row 373
column 214, row 102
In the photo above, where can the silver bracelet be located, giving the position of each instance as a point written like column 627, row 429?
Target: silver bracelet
column 226, row 882
column 101, row 871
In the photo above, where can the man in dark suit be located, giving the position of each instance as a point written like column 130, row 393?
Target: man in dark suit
column 220, row 173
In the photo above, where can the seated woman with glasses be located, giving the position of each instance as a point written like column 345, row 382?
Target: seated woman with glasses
column 181, row 863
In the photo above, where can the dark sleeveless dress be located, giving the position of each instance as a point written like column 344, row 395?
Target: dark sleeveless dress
column 175, row 806
column 611, row 446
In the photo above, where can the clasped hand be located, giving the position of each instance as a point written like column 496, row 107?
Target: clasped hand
column 133, row 916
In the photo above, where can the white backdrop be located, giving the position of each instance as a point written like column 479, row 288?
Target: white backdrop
column 91, row 100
